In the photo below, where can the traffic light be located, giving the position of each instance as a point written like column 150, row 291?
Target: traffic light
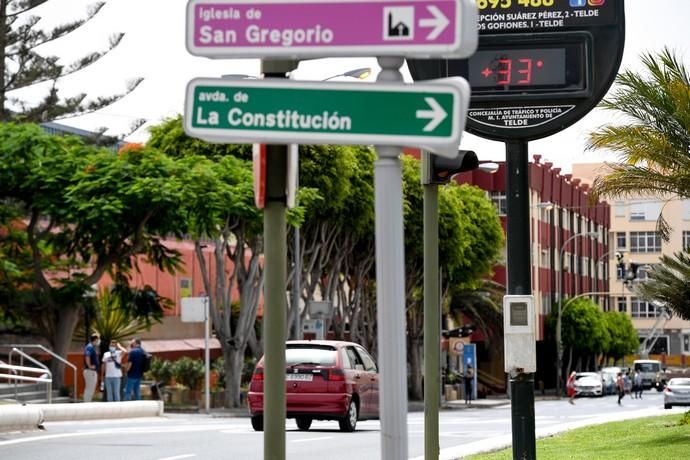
column 439, row 170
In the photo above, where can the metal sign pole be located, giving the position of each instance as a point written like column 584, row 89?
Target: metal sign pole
column 432, row 321
column 207, row 357
column 275, row 301
column 520, row 283
column 390, row 288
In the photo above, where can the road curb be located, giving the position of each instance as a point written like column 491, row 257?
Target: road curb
column 16, row 417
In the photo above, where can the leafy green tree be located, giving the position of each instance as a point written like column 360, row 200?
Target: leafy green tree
column 470, row 242
column 220, row 215
column 623, row 336
column 654, row 143
column 84, row 212
column 24, row 65
column 669, row 283
column 337, row 235
column 584, row 332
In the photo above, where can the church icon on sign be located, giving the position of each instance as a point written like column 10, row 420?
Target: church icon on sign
column 398, row 23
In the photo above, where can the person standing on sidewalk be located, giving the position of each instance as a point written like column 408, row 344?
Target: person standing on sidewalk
column 620, row 384
column 91, row 367
column 135, row 370
column 469, row 378
column 637, row 385
column 112, row 370
column 570, row 386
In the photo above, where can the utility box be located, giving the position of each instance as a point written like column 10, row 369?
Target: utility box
column 519, row 331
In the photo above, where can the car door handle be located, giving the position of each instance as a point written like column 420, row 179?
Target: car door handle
column 357, row 376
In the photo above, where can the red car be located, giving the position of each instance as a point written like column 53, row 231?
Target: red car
column 324, row 380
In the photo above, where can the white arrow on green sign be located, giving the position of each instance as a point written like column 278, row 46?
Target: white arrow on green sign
column 429, row 116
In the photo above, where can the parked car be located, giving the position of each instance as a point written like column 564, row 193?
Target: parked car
column 324, row 380
column 588, row 384
column 677, row 393
column 608, row 381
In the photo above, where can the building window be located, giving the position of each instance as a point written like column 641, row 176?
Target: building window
column 685, row 339
column 500, row 201
column 643, row 271
column 686, row 240
column 645, row 210
column 686, row 209
column 622, row 304
column 642, row 309
column 645, row 242
column 621, row 242
column 620, row 208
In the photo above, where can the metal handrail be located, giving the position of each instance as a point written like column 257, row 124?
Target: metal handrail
column 49, row 384
column 16, row 377
column 56, row 356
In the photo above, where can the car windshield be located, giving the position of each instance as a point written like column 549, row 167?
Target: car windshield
column 588, row 375
column 679, row 382
column 316, row 355
column 647, row 367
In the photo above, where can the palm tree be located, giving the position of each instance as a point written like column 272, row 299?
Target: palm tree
column 482, row 306
column 654, row 146
column 669, row 284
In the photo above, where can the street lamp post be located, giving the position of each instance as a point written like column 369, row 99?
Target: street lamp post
column 559, row 344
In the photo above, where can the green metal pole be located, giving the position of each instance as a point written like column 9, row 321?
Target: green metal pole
column 432, row 323
column 275, row 312
column 275, row 277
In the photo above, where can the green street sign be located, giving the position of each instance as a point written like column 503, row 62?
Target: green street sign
column 429, row 116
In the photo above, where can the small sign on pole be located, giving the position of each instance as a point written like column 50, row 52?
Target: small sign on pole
column 193, row 309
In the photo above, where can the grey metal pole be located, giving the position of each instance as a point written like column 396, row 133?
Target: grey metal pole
column 207, row 357
column 297, row 287
column 432, row 322
column 275, row 300
column 520, row 283
column 390, row 288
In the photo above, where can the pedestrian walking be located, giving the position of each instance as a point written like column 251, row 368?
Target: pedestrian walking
column 469, row 378
column 112, row 370
column 135, row 370
column 570, row 387
column 91, row 367
column 620, row 385
column 637, row 384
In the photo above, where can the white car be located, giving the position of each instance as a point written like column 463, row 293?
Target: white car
column 677, row 393
column 588, row 384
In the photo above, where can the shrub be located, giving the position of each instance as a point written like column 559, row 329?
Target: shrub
column 189, row 372
column 161, row 371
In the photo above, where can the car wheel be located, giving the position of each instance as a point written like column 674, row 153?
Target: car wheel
column 349, row 422
column 667, row 406
column 258, row 422
column 303, row 423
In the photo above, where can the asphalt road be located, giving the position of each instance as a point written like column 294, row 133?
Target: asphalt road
column 177, row 437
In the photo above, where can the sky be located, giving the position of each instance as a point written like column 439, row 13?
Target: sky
column 154, row 48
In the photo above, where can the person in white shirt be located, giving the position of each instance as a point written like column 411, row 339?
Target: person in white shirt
column 112, row 370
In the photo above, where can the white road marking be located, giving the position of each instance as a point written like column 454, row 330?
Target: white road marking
column 178, row 457
column 312, row 439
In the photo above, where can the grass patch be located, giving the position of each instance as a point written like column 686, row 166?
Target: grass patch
column 650, row 438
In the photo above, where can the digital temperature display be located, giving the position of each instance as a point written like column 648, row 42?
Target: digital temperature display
column 519, row 67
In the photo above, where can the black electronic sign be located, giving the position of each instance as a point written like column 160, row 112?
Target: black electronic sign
column 541, row 65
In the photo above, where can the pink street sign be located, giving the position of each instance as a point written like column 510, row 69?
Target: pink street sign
column 323, row 28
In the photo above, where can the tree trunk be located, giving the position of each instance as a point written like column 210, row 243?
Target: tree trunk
column 68, row 317
column 416, row 390
column 234, row 363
